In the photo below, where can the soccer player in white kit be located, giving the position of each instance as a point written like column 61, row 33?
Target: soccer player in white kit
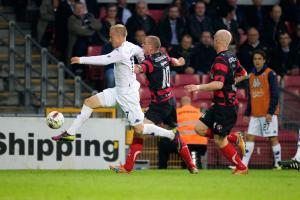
column 126, row 92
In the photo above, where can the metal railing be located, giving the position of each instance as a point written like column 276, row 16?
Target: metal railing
column 46, row 57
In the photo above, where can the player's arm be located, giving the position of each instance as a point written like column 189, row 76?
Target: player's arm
column 274, row 95
column 177, row 62
column 240, row 74
column 139, row 54
column 113, row 57
column 214, row 85
column 145, row 67
column 220, row 70
column 248, row 109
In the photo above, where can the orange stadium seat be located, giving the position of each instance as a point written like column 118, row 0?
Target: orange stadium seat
column 156, row 14
column 186, row 79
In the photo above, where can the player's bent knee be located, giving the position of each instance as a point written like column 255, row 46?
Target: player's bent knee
column 139, row 128
column 92, row 102
column 220, row 141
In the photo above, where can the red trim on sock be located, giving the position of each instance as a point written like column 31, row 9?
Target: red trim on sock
column 135, row 149
column 231, row 154
column 186, row 155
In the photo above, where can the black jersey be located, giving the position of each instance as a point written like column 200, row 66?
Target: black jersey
column 225, row 68
column 157, row 70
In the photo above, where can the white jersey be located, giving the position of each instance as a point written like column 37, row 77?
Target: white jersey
column 123, row 59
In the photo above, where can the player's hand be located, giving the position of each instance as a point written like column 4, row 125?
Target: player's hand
column 192, row 88
column 246, row 119
column 75, row 60
column 137, row 69
column 268, row 118
column 181, row 61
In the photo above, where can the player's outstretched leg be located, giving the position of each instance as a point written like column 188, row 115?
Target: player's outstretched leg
column 84, row 114
column 135, row 149
column 231, row 154
column 184, row 152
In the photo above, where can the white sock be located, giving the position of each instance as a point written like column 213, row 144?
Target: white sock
column 249, row 151
column 84, row 114
column 277, row 154
column 297, row 155
column 151, row 129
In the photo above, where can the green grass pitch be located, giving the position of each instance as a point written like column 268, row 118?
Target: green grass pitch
column 148, row 185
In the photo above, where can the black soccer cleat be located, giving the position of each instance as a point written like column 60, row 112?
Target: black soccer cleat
column 290, row 164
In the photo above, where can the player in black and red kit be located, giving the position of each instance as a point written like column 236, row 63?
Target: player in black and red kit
column 220, row 118
column 162, row 109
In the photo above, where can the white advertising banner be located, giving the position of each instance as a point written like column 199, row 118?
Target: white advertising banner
column 25, row 143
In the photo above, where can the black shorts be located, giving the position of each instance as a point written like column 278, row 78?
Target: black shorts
column 220, row 119
column 164, row 112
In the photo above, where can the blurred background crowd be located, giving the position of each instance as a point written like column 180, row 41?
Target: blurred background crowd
column 185, row 27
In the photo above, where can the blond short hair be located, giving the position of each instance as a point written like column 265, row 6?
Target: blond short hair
column 154, row 41
column 119, row 29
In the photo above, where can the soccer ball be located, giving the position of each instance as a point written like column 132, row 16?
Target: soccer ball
column 55, row 119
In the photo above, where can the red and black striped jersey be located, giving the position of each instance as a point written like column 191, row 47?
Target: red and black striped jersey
column 226, row 68
column 157, row 70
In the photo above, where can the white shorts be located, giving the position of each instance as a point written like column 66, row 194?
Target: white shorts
column 129, row 101
column 259, row 127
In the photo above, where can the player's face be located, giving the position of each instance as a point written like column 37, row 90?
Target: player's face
column 258, row 61
column 115, row 39
column 147, row 47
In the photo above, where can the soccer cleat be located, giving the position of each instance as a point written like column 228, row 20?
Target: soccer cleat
column 241, row 143
column 177, row 139
column 290, row 164
column 193, row 170
column 119, row 169
column 64, row 136
column 240, row 172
